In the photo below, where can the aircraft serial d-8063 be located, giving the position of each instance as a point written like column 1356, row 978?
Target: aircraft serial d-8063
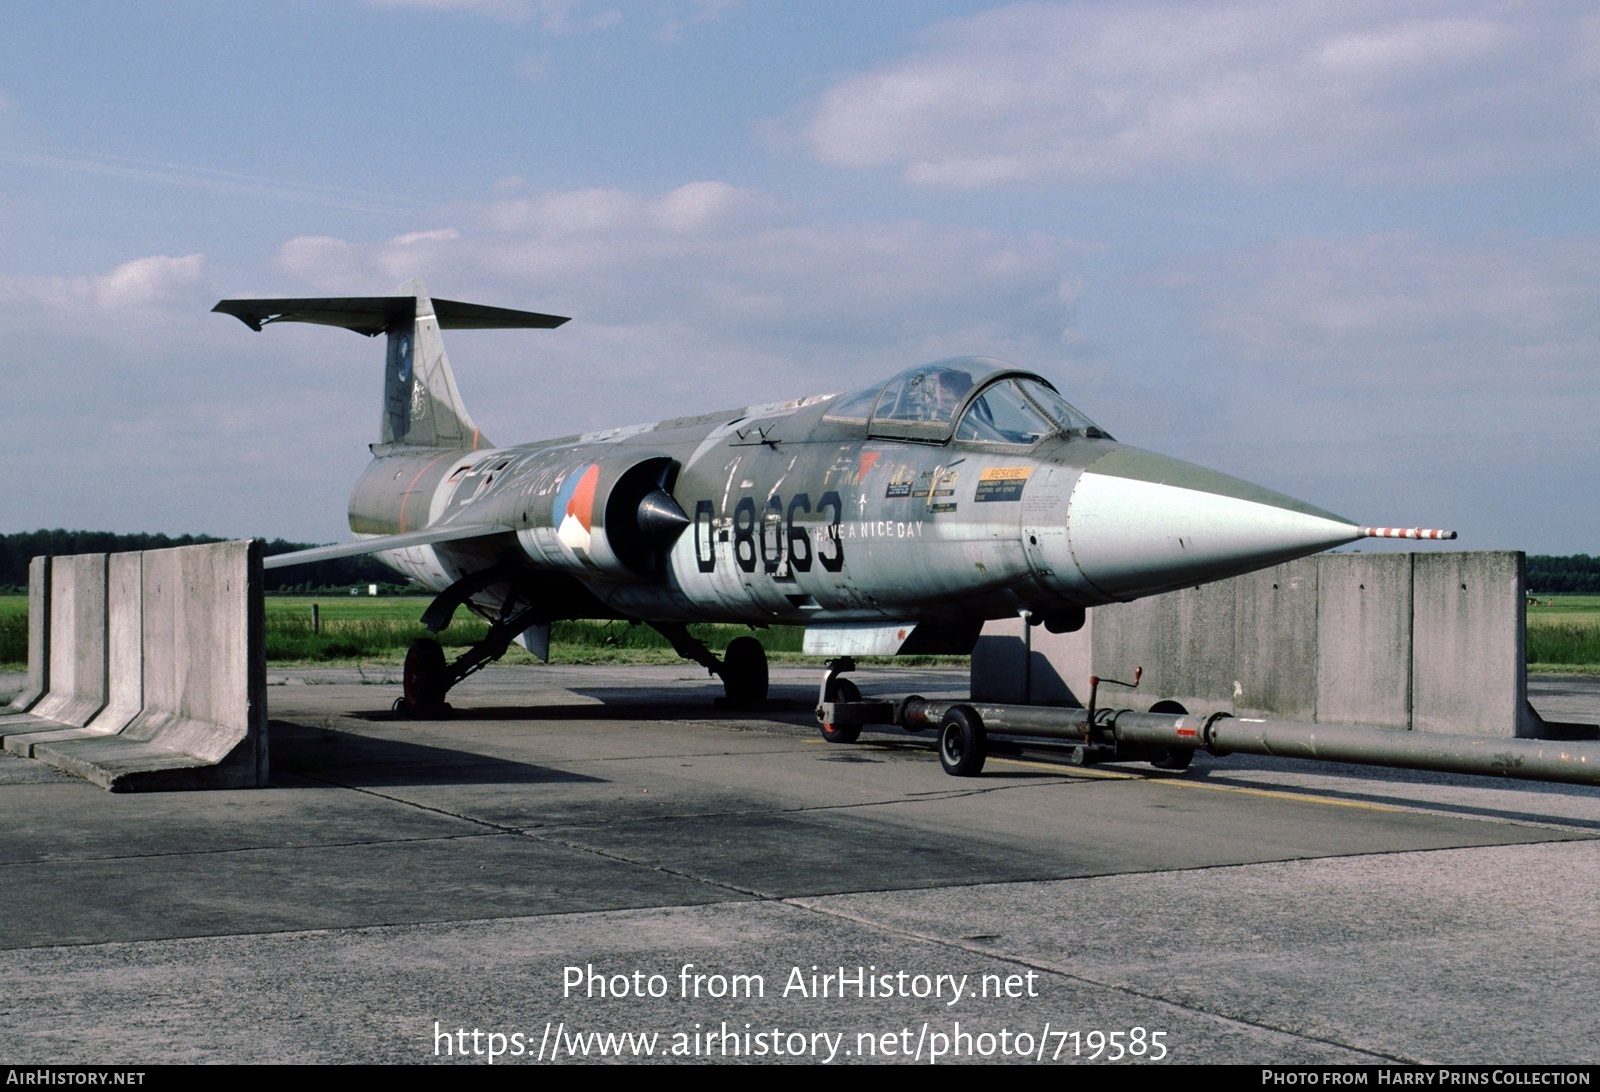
column 896, row 518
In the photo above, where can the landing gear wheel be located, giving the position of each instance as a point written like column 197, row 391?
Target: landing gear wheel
column 1176, row 759
column 423, row 685
column 963, row 744
column 842, row 690
column 744, row 673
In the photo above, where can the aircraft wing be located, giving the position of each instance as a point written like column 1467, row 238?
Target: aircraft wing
column 380, row 543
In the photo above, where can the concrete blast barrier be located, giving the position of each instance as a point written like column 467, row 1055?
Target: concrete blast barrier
column 179, row 646
column 1428, row 641
column 38, row 638
column 1469, row 643
column 1364, row 639
column 124, row 643
column 77, row 640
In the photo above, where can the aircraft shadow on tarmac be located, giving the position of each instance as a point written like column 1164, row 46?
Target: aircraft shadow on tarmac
column 608, row 709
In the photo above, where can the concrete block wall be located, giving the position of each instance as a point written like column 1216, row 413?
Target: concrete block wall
column 1427, row 641
column 77, row 649
column 124, row 643
column 1364, row 639
column 168, row 648
column 38, row 638
column 1029, row 665
column 1469, row 643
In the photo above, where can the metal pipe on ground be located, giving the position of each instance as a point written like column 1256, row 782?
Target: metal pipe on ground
column 1489, row 756
column 1042, row 721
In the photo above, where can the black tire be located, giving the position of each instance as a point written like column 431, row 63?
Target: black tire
column 1178, row 758
column 842, row 690
column 744, row 673
column 963, row 744
column 423, row 685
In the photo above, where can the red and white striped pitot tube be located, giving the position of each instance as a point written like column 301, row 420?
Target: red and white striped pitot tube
column 1405, row 532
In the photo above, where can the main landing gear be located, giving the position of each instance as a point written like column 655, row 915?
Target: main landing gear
column 427, row 677
column 742, row 668
column 424, row 681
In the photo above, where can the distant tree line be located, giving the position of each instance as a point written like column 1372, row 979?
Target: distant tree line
column 1575, row 575
column 18, row 549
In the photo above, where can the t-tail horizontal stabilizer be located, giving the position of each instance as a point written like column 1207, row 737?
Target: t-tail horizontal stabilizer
column 373, row 315
column 421, row 405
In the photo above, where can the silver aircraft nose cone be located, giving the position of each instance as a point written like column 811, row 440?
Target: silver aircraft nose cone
column 1140, row 523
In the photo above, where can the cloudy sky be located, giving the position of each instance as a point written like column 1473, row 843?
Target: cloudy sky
column 1346, row 249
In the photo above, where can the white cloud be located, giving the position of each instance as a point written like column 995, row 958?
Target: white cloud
column 723, row 258
column 671, row 32
column 1364, row 90
column 143, row 282
column 1397, row 377
column 336, row 267
column 698, row 205
column 704, row 205
column 570, row 212
column 1408, row 311
column 147, row 280
column 414, row 238
column 705, row 294
column 552, row 16
column 1395, row 366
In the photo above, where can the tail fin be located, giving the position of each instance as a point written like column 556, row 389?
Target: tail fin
column 421, row 405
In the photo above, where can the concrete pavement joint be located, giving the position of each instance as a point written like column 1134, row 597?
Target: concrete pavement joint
column 662, row 869
column 498, row 828
column 1128, row 991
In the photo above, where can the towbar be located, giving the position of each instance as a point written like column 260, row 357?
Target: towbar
column 1041, row 721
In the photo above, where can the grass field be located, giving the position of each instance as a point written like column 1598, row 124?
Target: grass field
column 1562, row 637
column 379, row 630
column 362, row 629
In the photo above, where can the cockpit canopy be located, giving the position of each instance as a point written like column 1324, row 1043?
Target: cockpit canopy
column 971, row 398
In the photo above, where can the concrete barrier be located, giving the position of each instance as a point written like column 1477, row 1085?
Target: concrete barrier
column 124, row 643
column 77, row 640
column 38, row 638
column 1469, row 648
column 1428, row 641
column 1014, row 662
column 66, row 646
column 1364, row 639
column 1185, row 641
column 181, row 657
